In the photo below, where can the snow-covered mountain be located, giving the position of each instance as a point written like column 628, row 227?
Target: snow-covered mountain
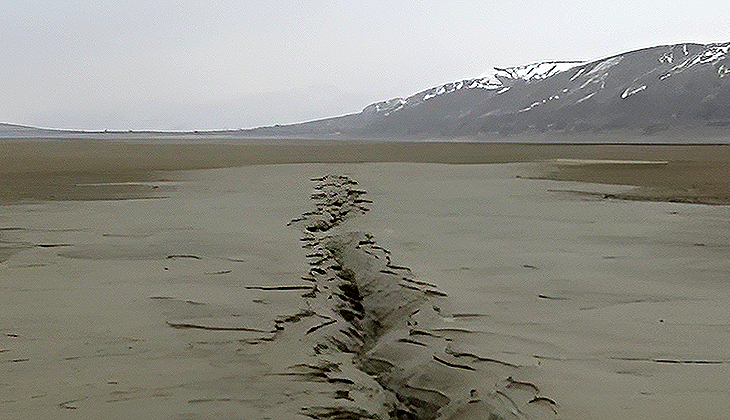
column 647, row 91
column 492, row 80
column 674, row 93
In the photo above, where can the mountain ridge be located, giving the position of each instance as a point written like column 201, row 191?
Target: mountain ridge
column 667, row 88
column 680, row 92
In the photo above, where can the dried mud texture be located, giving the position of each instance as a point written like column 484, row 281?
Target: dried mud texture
column 377, row 319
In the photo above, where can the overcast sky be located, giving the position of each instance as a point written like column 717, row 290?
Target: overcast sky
column 159, row 64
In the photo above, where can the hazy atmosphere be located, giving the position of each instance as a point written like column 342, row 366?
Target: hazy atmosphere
column 413, row 210
column 224, row 64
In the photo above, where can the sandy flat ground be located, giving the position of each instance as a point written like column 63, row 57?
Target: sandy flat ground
column 598, row 301
column 611, row 307
column 50, row 170
column 93, row 284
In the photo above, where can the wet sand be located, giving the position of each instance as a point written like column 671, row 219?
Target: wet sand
column 445, row 290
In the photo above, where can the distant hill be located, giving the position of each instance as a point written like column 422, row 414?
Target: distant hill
column 680, row 90
column 670, row 93
column 14, row 131
column 20, row 131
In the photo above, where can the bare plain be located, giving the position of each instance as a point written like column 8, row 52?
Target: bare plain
column 165, row 280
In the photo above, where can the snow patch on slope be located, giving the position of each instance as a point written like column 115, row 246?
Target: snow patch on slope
column 534, row 71
column 586, row 79
column 585, row 98
column 711, row 54
column 493, row 80
column 667, row 57
column 386, row 107
column 632, row 91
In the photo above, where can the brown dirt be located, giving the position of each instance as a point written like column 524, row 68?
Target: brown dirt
column 50, row 170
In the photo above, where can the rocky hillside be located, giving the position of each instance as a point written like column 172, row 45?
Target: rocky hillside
column 669, row 93
column 648, row 91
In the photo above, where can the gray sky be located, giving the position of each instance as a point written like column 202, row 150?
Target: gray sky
column 160, row 64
